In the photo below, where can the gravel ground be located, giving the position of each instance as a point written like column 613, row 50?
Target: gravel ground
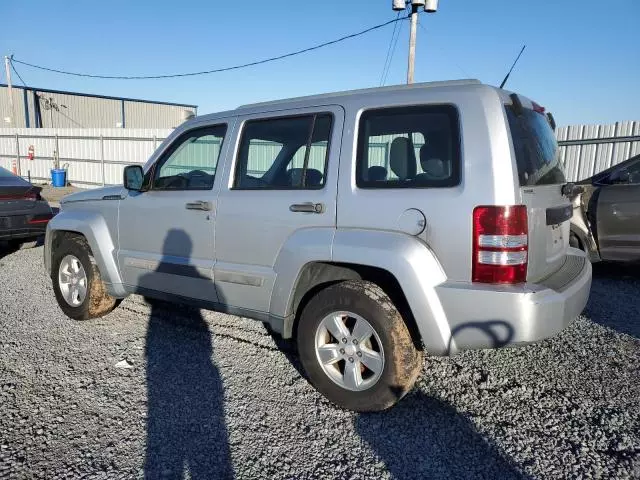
column 215, row 396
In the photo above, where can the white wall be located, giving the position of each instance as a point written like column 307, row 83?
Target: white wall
column 82, row 151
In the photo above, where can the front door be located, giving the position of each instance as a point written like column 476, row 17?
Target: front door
column 618, row 215
column 166, row 234
column 281, row 184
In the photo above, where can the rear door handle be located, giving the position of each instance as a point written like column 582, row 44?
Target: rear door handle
column 307, row 207
column 199, row 205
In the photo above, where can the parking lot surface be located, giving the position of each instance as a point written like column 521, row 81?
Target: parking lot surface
column 159, row 391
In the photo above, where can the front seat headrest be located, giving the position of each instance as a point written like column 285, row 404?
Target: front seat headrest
column 402, row 158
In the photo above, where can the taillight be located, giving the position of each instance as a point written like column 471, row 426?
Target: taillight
column 27, row 196
column 500, row 244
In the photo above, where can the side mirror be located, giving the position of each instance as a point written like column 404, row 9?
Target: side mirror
column 133, row 177
column 621, row 176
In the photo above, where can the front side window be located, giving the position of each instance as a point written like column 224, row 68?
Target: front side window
column 284, row 153
column 190, row 164
column 409, row 147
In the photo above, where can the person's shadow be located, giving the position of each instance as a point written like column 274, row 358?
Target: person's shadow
column 186, row 427
column 423, row 437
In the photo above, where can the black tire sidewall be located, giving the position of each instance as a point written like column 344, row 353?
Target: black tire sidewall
column 78, row 249
column 340, row 297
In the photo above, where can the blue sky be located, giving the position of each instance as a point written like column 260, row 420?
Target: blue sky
column 582, row 59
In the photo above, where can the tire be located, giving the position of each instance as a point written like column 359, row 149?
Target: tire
column 351, row 302
column 96, row 301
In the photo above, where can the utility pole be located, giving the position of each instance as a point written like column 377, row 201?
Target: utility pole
column 7, row 66
column 429, row 6
column 412, row 42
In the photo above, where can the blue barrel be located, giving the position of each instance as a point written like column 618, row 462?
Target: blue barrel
column 58, row 177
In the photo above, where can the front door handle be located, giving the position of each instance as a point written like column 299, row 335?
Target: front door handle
column 307, row 207
column 199, row 205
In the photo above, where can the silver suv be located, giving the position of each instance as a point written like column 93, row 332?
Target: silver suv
column 370, row 225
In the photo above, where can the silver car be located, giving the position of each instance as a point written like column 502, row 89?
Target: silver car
column 372, row 226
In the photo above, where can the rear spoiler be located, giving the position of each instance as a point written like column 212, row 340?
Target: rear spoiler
column 518, row 108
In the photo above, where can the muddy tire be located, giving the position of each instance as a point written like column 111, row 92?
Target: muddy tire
column 355, row 347
column 77, row 284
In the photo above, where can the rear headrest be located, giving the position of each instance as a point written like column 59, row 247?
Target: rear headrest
column 402, row 158
column 376, row 173
column 434, row 158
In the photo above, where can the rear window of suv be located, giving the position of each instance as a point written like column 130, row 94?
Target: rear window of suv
column 536, row 148
column 409, row 147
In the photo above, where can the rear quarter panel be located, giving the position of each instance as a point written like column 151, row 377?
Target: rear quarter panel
column 488, row 176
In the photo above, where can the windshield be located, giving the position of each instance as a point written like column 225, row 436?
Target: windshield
column 4, row 173
column 536, row 149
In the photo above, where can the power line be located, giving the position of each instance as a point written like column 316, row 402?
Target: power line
column 216, row 70
column 386, row 59
column 16, row 72
column 393, row 51
column 69, row 118
column 443, row 51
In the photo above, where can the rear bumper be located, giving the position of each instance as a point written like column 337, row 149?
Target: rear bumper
column 26, row 223
column 490, row 316
column 23, row 230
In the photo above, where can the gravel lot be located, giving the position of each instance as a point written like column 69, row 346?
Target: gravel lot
column 216, row 396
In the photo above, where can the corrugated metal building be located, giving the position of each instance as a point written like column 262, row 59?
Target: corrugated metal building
column 43, row 108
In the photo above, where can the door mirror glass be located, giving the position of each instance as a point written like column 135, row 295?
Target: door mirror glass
column 621, row 176
column 133, row 177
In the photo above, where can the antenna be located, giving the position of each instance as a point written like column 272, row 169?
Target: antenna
column 511, row 69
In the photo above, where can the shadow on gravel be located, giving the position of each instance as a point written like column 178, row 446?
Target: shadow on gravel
column 423, row 437
column 186, row 427
column 614, row 301
column 7, row 249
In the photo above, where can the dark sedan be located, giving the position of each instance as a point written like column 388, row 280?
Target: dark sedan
column 24, row 214
column 606, row 218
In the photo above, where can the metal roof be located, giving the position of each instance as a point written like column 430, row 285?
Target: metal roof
column 64, row 92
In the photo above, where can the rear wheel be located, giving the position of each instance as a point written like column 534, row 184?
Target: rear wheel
column 356, row 348
column 77, row 284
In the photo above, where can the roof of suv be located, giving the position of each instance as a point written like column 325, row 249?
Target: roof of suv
column 311, row 100
column 363, row 91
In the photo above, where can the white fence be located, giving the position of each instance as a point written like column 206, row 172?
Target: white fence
column 95, row 157
column 92, row 157
column 588, row 149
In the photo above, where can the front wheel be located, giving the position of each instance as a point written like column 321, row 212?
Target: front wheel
column 356, row 348
column 77, row 284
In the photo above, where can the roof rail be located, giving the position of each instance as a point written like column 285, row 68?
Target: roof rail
column 391, row 88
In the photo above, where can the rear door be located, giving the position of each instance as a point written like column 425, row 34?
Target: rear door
column 541, row 179
column 618, row 214
column 282, row 183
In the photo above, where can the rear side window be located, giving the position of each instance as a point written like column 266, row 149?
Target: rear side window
column 284, row 153
column 536, row 149
column 409, row 147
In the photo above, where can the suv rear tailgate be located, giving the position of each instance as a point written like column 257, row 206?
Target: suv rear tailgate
column 541, row 179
